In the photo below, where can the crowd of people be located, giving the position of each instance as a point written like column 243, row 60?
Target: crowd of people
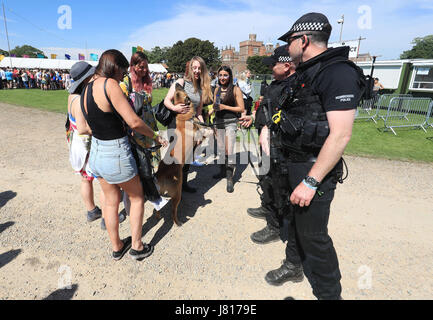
column 304, row 133
column 44, row 79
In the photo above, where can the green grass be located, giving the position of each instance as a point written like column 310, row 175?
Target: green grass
column 52, row 100
column 55, row 100
column 368, row 138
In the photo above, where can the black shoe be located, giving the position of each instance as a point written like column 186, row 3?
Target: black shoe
column 187, row 188
column 222, row 174
column 93, row 215
column 259, row 213
column 137, row 255
column 117, row 255
column 265, row 236
column 230, row 186
column 287, row 272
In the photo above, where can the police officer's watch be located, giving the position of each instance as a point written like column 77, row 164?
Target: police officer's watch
column 311, row 181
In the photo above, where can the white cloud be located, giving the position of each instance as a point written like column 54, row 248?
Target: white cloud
column 389, row 37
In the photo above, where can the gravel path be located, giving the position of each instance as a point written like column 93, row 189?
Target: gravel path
column 381, row 224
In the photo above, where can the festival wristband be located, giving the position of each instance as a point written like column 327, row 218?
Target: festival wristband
column 309, row 186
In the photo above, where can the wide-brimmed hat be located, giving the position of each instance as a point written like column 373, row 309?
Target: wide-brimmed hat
column 312, row 21
column 80, row 72
column 280, row 55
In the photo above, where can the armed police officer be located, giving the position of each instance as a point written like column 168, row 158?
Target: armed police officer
column 314, row 125
column 274, row 184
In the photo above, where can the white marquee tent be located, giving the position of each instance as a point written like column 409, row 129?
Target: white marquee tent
column 35, row 63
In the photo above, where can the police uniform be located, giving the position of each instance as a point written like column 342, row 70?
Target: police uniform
column 274, row 205
column 327, row 82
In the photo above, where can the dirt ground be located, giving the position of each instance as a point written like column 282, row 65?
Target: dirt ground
column 381, row 225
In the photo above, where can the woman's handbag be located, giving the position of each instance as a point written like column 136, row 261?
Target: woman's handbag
column 163, row 114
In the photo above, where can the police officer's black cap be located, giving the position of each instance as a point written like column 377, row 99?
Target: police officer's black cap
column 280, row 54
column 309, row 22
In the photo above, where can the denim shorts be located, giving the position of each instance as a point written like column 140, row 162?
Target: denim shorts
column 112, row 160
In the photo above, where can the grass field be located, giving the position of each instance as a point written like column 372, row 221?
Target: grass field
column 368, row 138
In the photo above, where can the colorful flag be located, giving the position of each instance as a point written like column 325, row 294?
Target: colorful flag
column 68, row 57
column 134, row 50
column 81, row 56
column 140, row 49
column 26, row 56
column 41, row 56
column 53, row 56
column 1, row 57
column 93, row 57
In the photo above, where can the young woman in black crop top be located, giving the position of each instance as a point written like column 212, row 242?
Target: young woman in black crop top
column 111, row 159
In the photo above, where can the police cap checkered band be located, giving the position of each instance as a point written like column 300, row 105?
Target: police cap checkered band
column 309, row 22
column 312, row 26
column 284, row 59
column 280, row 54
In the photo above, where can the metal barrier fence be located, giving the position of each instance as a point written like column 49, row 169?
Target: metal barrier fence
column 367, row 109
column 429, row 120
column 377, row 107
column 404, row 112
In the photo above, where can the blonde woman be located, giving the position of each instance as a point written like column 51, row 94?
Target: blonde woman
column 196, row 84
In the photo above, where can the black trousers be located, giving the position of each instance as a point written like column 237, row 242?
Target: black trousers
column 275, row 195
column 312, row 241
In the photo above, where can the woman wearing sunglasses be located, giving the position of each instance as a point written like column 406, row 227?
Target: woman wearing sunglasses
column 228, row 104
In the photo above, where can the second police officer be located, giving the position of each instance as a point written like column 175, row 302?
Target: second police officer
column 274, row 184
column 313, row 125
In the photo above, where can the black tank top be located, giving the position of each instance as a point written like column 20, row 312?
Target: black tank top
column 104, row 125
column 226, row 114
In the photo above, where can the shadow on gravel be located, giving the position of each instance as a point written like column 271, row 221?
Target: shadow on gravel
column 7, row 257
column 191, row 201
column 63, row 294
column 6, row 196
column 6, row 225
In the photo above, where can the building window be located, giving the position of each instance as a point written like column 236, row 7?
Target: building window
column 422, row 78
column 256, row 50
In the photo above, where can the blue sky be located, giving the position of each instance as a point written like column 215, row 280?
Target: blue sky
column 114, row 24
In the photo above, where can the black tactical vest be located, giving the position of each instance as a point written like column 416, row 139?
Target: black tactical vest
column 303, row 127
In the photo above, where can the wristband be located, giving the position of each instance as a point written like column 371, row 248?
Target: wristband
column 309, row 186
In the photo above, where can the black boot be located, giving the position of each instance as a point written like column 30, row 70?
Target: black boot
column 265, row 236
column 222, row 174
column 259, row 213
column 287, row 272
column 185, row 186
column 229, row 173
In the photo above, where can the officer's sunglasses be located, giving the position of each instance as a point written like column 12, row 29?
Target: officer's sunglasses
column 291, row 39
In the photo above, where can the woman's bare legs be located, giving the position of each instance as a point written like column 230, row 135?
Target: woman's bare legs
column 134, row 190
column 110, row 210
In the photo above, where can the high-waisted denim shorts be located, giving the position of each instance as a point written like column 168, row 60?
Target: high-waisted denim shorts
column 112, row 160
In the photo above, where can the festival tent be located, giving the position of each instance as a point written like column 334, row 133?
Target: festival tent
column 156, row 67
column 35, row 63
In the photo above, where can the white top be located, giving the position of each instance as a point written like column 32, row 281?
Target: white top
column 245, row 87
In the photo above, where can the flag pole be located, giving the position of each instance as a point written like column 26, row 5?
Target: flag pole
column 7, row 35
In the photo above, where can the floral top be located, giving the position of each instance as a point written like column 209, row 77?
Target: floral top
column 141, row 102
